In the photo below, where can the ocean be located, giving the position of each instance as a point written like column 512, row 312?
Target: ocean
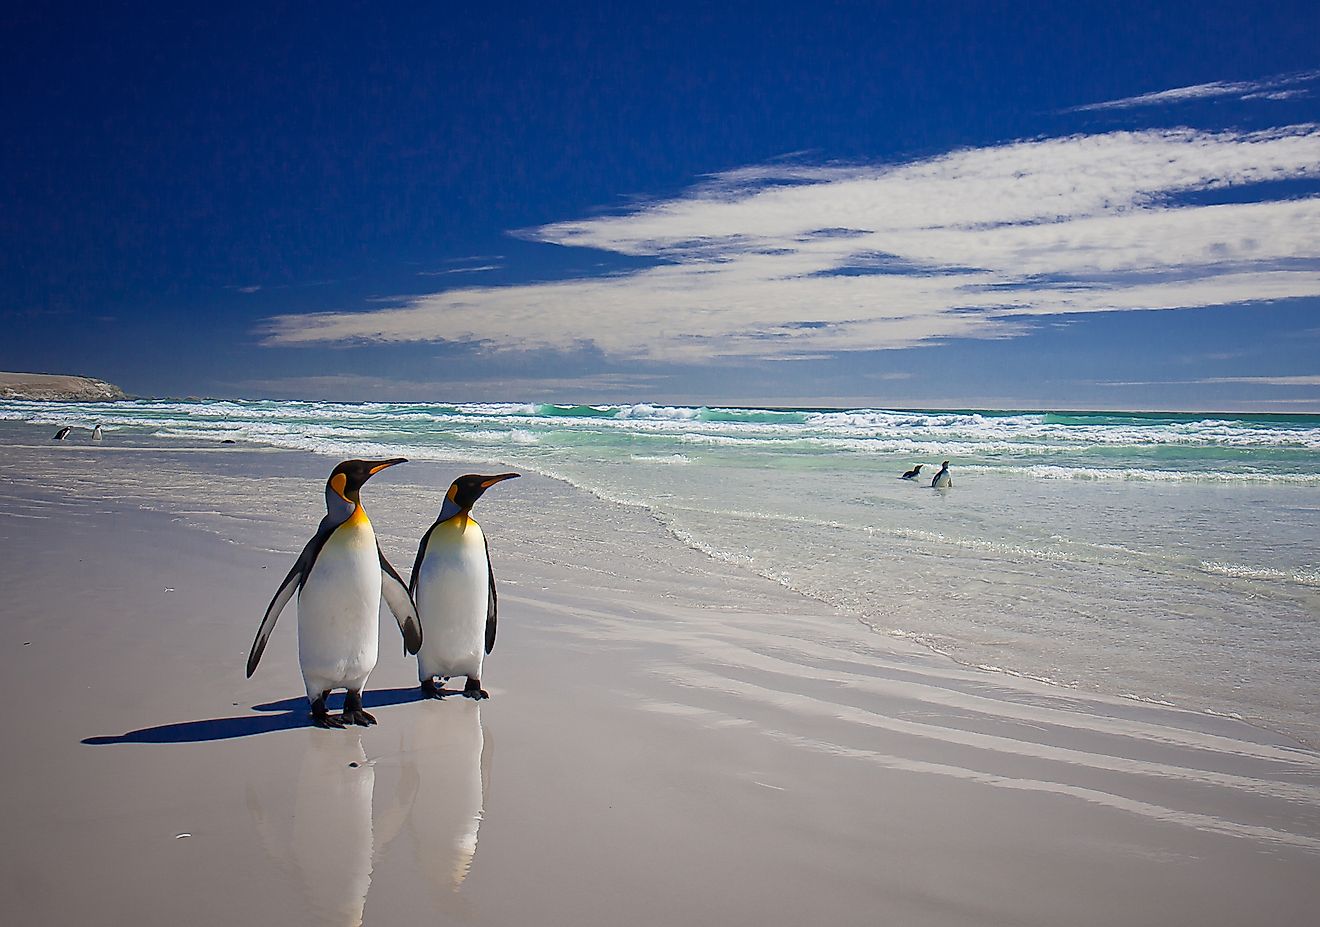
column 1167, row 557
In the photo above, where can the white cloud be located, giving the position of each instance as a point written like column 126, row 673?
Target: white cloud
column 1280, row 87
column 1301, row 380
column 1304, row 380
column 482, row 268
column 792, row 262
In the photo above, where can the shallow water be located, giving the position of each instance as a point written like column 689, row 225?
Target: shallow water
column 1165, row 557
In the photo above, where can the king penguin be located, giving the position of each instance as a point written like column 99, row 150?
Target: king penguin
column 340, row 577
column 942, row 479
column 454, row 586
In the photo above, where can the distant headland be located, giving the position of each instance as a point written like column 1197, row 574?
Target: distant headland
column 48, row 387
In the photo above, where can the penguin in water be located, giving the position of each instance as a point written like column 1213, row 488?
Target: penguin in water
column 96, row 433
column 453, row 584
column 62, row 434
column 340, row 577
column 913, row 473
column 942, row 479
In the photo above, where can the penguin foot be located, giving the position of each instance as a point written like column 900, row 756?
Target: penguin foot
column 473, row 689
column 321, row 717
column 354, row 713
column 431, row 690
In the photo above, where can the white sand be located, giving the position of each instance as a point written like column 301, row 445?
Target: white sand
column 668, row 739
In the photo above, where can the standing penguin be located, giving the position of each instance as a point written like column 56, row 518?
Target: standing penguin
column 96, row 433
column 454, row 586
column 942, row 479
column 340, row 577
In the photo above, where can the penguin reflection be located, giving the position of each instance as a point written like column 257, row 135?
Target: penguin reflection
column 331, row 845
column 451, row 757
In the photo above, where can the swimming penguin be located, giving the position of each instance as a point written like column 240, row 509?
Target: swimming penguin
column 942, row 479
column 340, row 577
column 454, row 586
column 912, row 474
column 96, row 433
column 62, row 434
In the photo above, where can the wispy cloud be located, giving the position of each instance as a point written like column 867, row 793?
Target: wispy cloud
column 794, row 261
column 459, row 270
column 1299, row 380
column 1304, row 380
column 1279, row 87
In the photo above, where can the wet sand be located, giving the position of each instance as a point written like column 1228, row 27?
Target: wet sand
column 668, row 738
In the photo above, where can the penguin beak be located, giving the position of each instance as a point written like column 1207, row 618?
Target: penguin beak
column 490, row 481
column 384, row 464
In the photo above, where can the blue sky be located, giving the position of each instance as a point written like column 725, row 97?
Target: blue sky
column 1006, row 205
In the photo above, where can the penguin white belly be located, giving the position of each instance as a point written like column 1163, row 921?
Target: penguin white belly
column 338, row 611
column 453, row 591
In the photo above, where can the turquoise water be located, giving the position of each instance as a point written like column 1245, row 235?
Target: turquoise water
column 1170, row 557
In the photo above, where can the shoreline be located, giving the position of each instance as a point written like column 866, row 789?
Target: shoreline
column 898, row 638
column 695, row 743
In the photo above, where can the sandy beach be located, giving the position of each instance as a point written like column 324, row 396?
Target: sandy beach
column 669, row 738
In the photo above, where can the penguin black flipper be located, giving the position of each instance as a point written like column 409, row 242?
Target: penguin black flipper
column 292, row 583
column 490, row 603
column 398, row 597
column 421, row 555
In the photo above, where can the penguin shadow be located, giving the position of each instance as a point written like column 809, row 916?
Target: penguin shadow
column 284, row 715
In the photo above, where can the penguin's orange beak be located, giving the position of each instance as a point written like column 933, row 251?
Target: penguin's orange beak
column 387, row 463
column 492, row 480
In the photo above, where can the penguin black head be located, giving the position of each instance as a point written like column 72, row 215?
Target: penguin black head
column 347, row 478
column 466, row 490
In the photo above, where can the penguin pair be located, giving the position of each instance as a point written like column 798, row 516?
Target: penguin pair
column 942, row 479
column 63, row 434
column 342, row 574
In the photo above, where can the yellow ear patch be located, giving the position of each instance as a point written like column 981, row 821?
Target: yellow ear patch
column 452, row 493
column 338, row 482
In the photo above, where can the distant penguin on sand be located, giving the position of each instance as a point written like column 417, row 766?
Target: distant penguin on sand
column 453, row 584
column 62, row 434
column 912, row 474
column 340, row 577
column 96, row 433
column 942, row 479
